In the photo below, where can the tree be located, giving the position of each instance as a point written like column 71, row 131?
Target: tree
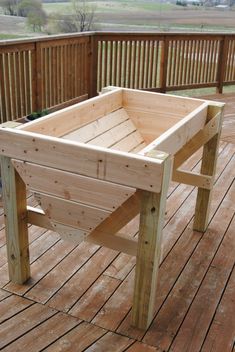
column 10, row 7
column 83, row 15
column 80, row 20
column 27, row 6
column 36, row 19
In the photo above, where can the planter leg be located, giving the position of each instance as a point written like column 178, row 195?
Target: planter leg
column 15, row 212
column 152, row 213
column 209, row 160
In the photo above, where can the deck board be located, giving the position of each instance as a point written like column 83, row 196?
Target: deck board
column 79, row 297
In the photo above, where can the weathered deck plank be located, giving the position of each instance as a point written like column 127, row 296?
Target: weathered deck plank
column 223, row 324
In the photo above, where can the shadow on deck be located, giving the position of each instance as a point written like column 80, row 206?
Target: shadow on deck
column 79, row 298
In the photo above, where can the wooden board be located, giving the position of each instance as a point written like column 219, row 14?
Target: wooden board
column 71, row 213
column 93, row 129
column 152, row 102
column 110, row 165
column 71, row 186
column 152, row 124
column 177, row 136
column 57, row 273
column 69, row 119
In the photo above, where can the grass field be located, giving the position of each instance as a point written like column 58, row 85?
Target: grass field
column 110, row 6
column 135, row 15
column 153, row 16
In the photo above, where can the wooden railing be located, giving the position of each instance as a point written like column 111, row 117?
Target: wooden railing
column 53, row 72
column 43, row 73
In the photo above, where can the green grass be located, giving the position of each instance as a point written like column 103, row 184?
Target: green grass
column 110, row 6
column 4, row 36
column 202, row 91
column 60, row 7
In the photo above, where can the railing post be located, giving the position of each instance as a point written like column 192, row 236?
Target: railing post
column 93, row 66
column 222, row 64
column 36, row 78
column 164, row 64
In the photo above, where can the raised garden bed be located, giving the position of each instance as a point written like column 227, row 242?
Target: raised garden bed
column 97, row 164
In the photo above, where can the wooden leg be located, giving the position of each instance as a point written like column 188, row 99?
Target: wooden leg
column 202, row 209
column 209, row 159
column 152, row 212
column 15, row 212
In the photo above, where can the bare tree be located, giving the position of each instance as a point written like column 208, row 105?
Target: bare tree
column 83, row 15
column 80, row 20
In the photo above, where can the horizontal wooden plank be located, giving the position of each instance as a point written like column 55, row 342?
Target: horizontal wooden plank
column 77, row 339
column 71, row 186
column 177, row 136
column 76, row 116
column 106, row 234
column 193, row 179
column 97, row 127
column 13, row 305
column 117, row 242
column 110, row 165
column 44, row 334
column 152, row 102
column 118, row 342
column 129, row 143
column 24, row 321
column 16, row 47
column 70, row 213
column 114, row 135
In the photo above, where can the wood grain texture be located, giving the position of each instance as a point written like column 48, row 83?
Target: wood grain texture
column 180, row 244
column 152, row 209
column 104, row 164
column 209, row 160
column 14, row 198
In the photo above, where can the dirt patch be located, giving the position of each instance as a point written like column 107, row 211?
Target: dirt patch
column 185, row 16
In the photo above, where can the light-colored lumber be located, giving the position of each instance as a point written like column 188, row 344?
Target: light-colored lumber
column 92, row 130
column 152, row 210
column 114, row 135
column 119, row 217
column 14, row 200
column 112, row 240
column 73, row 187
column 118, row 242
column 67, row 120
column 69, row 233
column 138, row 148
column 152, row 124
column 11, row 124
column 70, row 213
column 193, row 179
column 209, row 159
column 104, row 164
column 200, row 138
column 37, row 217
column 129, row 143
column 151, row 102
column 177, row 136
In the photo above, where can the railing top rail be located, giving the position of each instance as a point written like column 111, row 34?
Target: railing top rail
column 139, row 34
column 44, row 38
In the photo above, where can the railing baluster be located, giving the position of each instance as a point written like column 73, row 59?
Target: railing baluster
column 54, row 71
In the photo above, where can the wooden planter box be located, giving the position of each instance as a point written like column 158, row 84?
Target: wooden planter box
column 97, row 164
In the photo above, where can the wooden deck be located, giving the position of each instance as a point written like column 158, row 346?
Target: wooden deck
column 79, row 297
